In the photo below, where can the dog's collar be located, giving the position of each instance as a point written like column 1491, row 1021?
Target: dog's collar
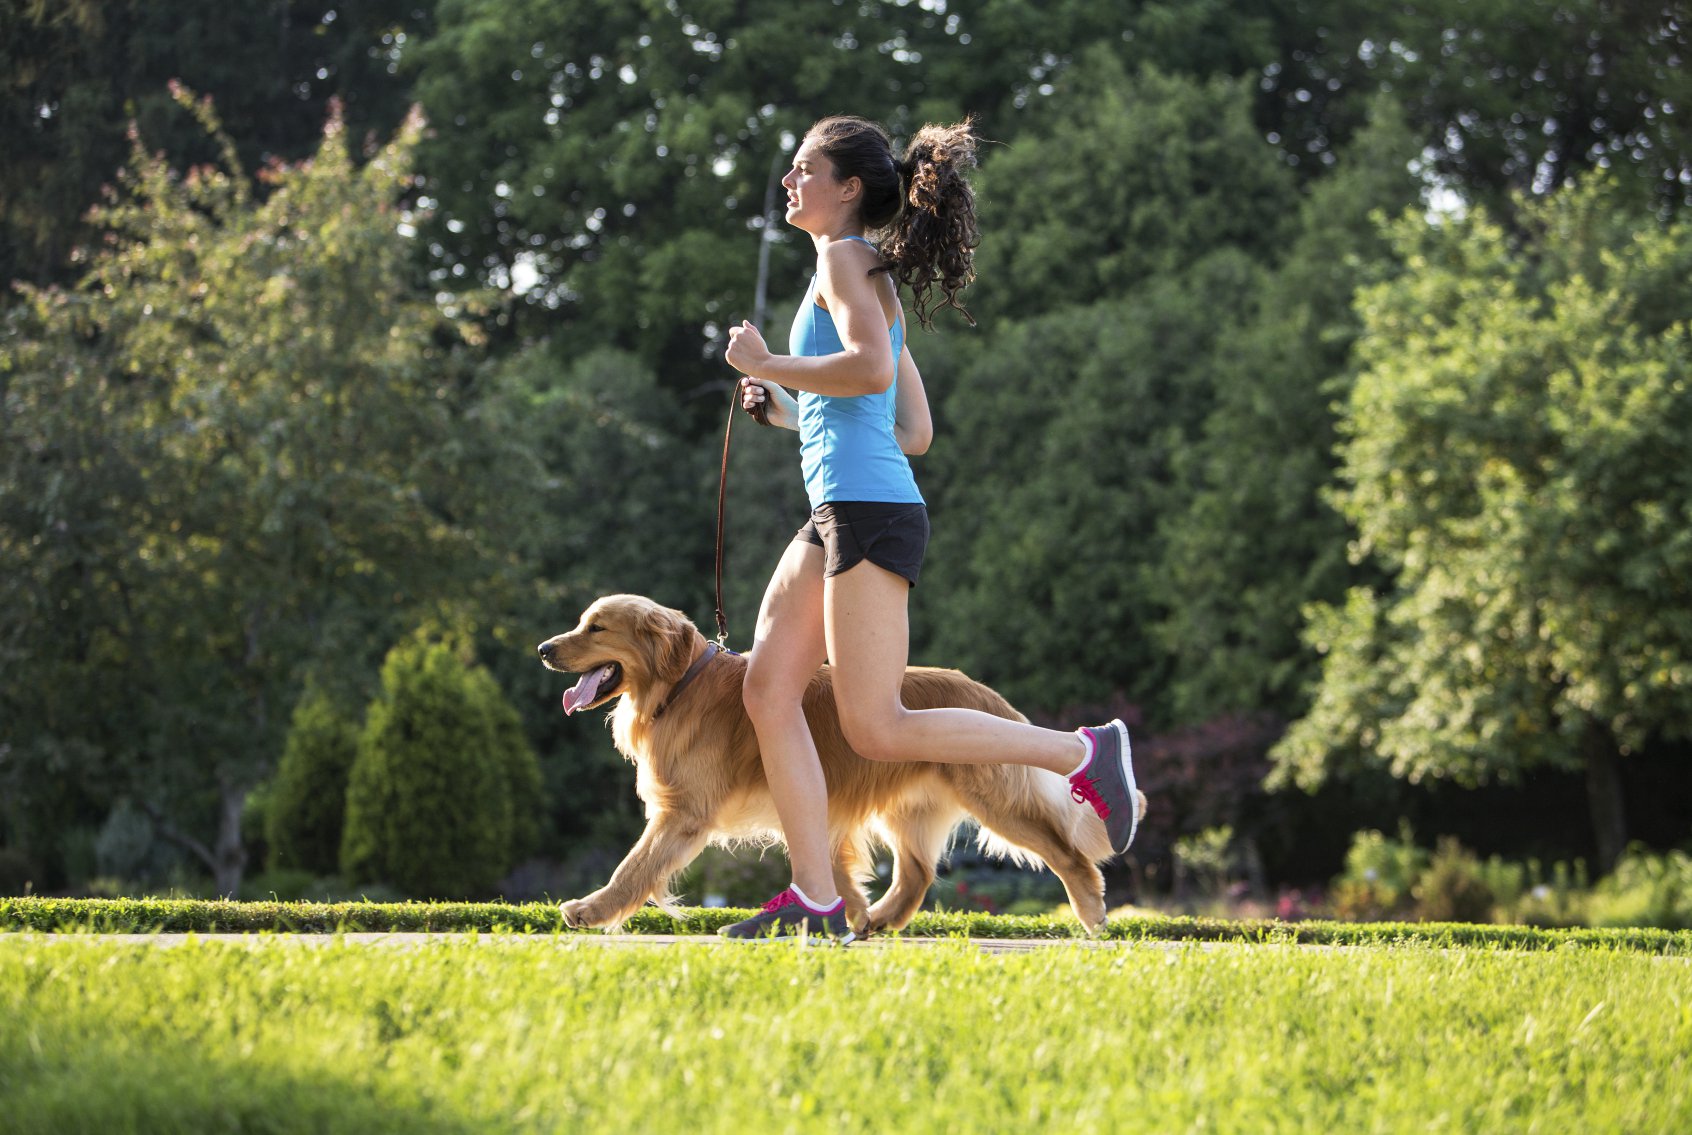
column 693, row 672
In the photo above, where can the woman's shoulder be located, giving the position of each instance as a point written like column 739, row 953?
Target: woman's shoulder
column 847, row 253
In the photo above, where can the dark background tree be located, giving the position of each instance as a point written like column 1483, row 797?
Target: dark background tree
column 77, row 72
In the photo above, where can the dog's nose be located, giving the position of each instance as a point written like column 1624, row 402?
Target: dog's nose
column 544, row 650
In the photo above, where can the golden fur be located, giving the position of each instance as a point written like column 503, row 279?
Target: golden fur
column 702, row 780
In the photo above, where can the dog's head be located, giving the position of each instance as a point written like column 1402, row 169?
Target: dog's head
column 625, row 644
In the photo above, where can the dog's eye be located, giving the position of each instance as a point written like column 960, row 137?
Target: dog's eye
column 594, row 628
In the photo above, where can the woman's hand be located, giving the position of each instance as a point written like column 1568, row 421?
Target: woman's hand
column 747, row 352
column 769, row 403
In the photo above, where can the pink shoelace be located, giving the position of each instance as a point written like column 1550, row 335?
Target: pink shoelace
column 786, row 898
column 1081, row 790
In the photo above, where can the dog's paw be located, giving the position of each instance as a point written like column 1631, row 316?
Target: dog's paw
column 577, row 913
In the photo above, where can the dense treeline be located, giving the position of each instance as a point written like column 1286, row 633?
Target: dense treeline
column 1331, row 373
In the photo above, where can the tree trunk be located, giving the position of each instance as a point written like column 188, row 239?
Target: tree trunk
column 229, row 858
column 1604, row 795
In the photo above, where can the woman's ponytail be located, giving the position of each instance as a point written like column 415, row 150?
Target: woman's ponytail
column 932, row 243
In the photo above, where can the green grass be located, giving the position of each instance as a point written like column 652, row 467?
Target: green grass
column 538, row 1033
column 180, row 915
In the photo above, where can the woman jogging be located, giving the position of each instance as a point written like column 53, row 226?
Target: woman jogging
column 839, row 593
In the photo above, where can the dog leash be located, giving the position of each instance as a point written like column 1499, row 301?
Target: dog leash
column 761, row 415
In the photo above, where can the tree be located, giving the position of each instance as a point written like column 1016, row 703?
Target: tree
column 1058, row 423
column 243, row 439
column 308, row 798
column 429, row 802
column 1252, row 541
column 78, row 71
column 1510, row 96
column 1513, row 457
column 1124, row 179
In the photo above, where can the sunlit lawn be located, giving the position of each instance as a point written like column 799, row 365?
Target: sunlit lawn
column 543, row 1033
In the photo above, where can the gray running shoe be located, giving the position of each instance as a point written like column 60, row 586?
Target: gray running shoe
column 1107, row 783
column 785, row 917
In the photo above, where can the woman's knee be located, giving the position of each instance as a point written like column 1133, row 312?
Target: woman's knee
column 769, row 696
column 873, row 735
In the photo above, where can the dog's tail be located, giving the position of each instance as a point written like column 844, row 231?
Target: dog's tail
column 1031, row 794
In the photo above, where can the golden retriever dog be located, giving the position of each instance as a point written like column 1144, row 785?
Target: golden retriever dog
column 679, row 718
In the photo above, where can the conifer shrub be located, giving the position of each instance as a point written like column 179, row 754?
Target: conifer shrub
column 306, row 804
column 429, row 807
column 521, row 766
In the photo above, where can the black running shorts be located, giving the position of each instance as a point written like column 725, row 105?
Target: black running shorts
column 890, row 536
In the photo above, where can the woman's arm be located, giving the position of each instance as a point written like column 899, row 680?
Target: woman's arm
column 863, row 365
column 912, row 424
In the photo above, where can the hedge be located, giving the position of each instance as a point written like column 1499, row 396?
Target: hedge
column 203, row 916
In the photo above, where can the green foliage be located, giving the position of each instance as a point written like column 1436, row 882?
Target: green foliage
column 239, row 444
column 1120, row 180
column 429, row 801
column 1645, row 890
column 1387, row 878
column 1105, row 295
column 1204, row 859
column 77, row 72
column 125, row 843
column 1086, row 405
column 308, row 797
column 1512, row 458
column 1379, row 875
column 265, row 433
column 1524, row 96
column 515, row 757
column 1251, row 542
column 1453, row 889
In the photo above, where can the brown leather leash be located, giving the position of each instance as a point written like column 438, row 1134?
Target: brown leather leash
column 761, row 415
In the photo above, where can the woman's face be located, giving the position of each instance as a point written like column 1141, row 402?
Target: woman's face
column 817, row 201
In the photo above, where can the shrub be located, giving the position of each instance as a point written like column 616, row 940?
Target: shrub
column 1454, row 887
column 1558, row 901
column 125, row 843
column 306, row 803
column 429, row 797
column 1203, row 861
column 1645, row 890
column 521, row 768
column 1378, row 877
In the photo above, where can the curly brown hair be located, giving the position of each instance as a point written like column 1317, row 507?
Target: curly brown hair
column 921, row 206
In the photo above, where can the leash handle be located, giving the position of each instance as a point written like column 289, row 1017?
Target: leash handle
column 759, row 413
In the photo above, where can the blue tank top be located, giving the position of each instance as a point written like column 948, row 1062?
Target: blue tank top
column 847, row 449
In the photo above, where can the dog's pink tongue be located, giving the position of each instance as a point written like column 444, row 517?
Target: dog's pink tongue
column 583, row 692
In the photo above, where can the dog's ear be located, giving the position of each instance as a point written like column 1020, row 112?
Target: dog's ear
column 670, row 638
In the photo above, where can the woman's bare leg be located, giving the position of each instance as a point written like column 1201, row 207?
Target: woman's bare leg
column 786, row 651
column 868, row 641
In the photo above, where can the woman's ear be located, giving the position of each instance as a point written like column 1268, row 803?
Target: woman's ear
column 851, row 189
